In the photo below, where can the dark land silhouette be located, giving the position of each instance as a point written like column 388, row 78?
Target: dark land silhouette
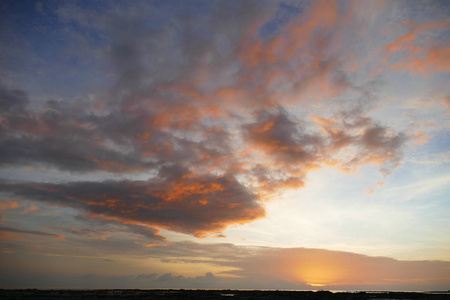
column 11, row 294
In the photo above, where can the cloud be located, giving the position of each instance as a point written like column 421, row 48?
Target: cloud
column 201, row 102
column 278, row 135
column 6, row 205
column 12, row 100
column 424, row 58
column 9, row 205
column 146, row 276
column 292, row 147
column 187, row 203
column 202, row 281
column 249, row 267
column 58, row 137
column 153, row 280
column 30, row 209
column 89, row 233
column 14, row 234
column 342, row 270
column 310, row 268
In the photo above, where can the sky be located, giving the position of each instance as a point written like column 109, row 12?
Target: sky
column 225, row 144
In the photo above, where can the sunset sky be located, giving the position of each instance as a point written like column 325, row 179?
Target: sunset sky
column 225, row 144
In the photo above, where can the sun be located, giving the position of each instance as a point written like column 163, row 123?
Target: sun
column 317, row 284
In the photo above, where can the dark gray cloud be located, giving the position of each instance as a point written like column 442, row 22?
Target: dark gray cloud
column 59, row 136
column 280, row 136
column 368, row 141
column 293, row 147
column 88, row 233
column 143, row 281
column 7, row 231
column 146, row 276
column 190, row 204
column 12, row 100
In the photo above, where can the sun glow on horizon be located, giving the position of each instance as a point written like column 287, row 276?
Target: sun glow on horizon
column 318, row 284
column 317, row 274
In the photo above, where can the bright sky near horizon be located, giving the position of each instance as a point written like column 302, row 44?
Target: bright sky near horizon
column 225, row 144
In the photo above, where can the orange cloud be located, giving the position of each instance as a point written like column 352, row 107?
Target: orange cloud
column 295, row 64
column 30, row 209
column 420, row 137
column 187, row 203
column 434, row 60
column 342, row 270
column 289, row 151
column 8, row 204
column 419, row 57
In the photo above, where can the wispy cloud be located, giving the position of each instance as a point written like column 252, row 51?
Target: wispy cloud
column 8, row 233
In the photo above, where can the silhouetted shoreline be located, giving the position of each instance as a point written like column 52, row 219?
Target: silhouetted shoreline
column 69, row 294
